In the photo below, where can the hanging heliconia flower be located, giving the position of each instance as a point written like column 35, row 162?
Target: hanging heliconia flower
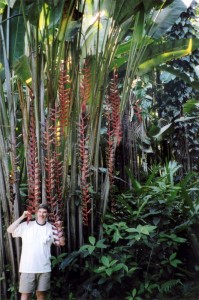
column 84, row 163
column 84, row 169
column 34, row 183
column 64, row 92
column 114, row 132
column 85, row 86
column 114, row 102
column 110, row 153
column 53, row 168
column 138, row 111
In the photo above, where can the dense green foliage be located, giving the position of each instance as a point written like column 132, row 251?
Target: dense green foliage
column 147, row 249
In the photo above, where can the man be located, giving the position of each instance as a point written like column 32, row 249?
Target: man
column 35, row 266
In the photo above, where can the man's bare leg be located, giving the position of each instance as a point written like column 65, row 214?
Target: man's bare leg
column 41, row 295
column 25, row 296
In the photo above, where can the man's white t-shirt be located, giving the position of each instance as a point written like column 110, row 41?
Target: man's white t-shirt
column 36, row 244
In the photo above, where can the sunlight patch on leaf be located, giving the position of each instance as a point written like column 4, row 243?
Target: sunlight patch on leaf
column 162, row 130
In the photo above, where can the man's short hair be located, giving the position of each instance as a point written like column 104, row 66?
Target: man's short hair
column 44, row 206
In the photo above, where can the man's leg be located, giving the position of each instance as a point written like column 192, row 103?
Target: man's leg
column 26, row 285
column 25, row 296
column 43, row 285
column 41, row 295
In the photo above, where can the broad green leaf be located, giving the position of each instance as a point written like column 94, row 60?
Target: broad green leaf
column 22, row 69
column 146, row 229
column 125, row 267
column 105, row 261
column 92, row 240
column 154, row 57
column 137, row 186
column 138, row 33
column 157, row 53
column 84, row 247
column 69, row 259
column 156, row 220
column 117, row 236
column 167, row 16
column 184, row 119
column 181, row 75
column 71, row 30
column 132, row 270
column 123, row 48
column 122, row 12
column 16, row 34
column 33, row 11
column 172, row 237
column 113, row 262
column 3, row 3
column 172, row 256
column 134, row 292
column 102, row 280
column 132, row 230
column 100, row 269
column 118, row 267
column 190, row 106
column 162, row 130
column 91, row 249
column 109, row 271
column 100, row 244
column 175, row 262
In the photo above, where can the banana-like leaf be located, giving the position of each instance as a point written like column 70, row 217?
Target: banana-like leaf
column 191, row 106
column 16, row 34
column 165, row 18
column 162, row 130
column 185, row 77
column 22, row 69
column 166, row 127
column 122, row 11
column 184, row 119
column 2, row 6
column 169, row 51
column 156, row 53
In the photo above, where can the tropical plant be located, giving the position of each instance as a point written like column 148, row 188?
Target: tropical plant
column 57, row 60
column 146, row 240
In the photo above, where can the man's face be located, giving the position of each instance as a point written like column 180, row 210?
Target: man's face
column 42, row 215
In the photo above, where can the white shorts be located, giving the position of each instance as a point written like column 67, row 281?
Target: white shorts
column 30, row 282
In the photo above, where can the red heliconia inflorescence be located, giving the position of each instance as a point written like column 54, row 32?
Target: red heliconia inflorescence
column 84, row 170
column 138, row 111
column 64, row 92
column 53, row 168
column 114, row 102
column 85, row 90
column 110, row 153
column 114, row 133
column 85, row 87
column 34, row 184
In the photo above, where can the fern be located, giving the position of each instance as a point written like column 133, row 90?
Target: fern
column 167, row 286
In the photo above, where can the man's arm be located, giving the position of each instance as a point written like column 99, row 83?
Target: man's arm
column 16, row 223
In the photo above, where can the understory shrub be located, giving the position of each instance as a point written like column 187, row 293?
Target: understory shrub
column 148, row 249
